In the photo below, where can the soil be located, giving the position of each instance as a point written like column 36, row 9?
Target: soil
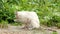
column 18, row 30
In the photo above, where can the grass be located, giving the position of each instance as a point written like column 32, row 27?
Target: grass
column 16, row 24
column 4, row 24
column 54, row 33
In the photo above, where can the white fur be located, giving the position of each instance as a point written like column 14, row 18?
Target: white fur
column 29, row 18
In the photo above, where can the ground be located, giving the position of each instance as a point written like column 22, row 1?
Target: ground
column 18, row 30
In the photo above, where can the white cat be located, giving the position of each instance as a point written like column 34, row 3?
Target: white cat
column 30, row 19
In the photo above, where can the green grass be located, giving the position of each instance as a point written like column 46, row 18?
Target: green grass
column 16, row 24
column 54, row 33
column 47, row 10
column 4, row 24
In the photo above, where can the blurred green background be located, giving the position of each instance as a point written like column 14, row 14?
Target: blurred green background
column 47, row 10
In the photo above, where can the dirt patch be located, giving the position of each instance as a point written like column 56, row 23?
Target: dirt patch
column 18, row 30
